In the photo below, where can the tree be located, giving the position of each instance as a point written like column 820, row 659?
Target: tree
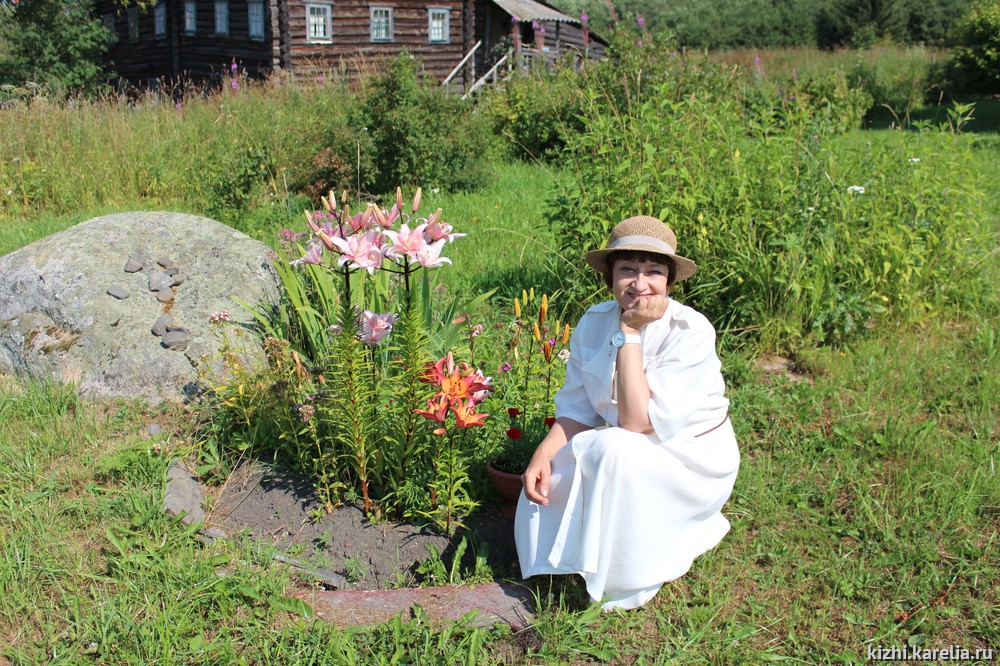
column 57, row 43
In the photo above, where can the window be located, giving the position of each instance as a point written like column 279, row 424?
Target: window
column 222, row 17
column 133, row 24
column 160, row 19
column 319, row 20
column 381, row 23
column 109, row 25
column 438, row 25
column 255, row 15
column 190, row 17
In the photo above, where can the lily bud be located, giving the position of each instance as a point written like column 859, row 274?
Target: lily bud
column 538, row 332
column 435, row 216
column 524, row 296
column 379, row 217
column 312, row 225
column 326, row 203
column 565, row 339
column 327, row 242
column 416, row 200
column 547, row 350
column 517, row 308
column 333, row 201
column 544, row 310
column 399, row 197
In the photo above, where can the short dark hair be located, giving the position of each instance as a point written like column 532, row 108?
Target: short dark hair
column 639, row 255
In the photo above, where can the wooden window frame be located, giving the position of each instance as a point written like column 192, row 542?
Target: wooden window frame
column 224, row 16
column 160, row 19
column 258, row 36
column 109, row 25
column 327, row 9
column 446, row 11
column 190, row 17
column 390, row 27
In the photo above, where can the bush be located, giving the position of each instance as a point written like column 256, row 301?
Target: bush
column 801, row 234
column 977, row 60
column 417, row 133
column 532, row 115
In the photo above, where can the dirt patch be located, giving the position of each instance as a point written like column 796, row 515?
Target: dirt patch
column 274, row 508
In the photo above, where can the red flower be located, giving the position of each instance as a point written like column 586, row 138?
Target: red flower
column 550, row 421
column 514, row 433
column 513, row 412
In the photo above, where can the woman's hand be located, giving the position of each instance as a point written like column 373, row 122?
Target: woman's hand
column 644, row 310
column 539, row 471
column 536, row 479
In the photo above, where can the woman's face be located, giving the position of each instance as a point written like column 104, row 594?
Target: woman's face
column 635, row 279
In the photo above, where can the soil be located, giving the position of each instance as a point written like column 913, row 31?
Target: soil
column 272, row 508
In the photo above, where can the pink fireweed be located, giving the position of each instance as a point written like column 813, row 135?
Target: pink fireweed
column 361, row 251
column 374, row 326
column 314, row 255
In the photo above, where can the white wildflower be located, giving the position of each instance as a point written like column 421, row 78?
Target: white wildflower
column 564, row 355
column 914, row 160
column 856, row 189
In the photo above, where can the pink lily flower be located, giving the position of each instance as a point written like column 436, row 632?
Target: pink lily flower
column 430, row 256
column 436, row 229
column 374, row 326
column 406, row 243
column 362, row 250
column 314, row 255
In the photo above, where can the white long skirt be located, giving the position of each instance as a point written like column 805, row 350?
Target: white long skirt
column 627, row 513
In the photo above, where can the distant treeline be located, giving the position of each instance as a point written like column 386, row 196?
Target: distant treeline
column 732, row 24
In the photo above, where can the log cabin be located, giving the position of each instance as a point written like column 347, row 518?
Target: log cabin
column 198, row 40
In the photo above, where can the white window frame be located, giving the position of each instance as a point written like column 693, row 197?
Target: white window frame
column 222, row 18
column 160, row 19
column 190, row 17
column 255, row 19
column 373, row 22
column 324, row 19
column 133, row 25
column 439, row 13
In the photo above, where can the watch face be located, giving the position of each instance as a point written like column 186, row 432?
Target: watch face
column 618, row 339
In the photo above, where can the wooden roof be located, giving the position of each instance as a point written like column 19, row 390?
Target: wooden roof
column 529, row 10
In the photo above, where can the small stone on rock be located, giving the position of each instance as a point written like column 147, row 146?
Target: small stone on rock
column 165, row 295
column 162, row 324
column 164, row 262
column 176, row 327
column 179, row 278
column 173, row 270
column 176, row 340
column 158, row 280
column 118, row 292
column 154, row 429
column 135, row 263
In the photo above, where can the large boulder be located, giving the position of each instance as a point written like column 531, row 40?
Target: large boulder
column 79, row 305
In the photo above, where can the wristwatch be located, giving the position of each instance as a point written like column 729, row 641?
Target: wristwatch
column 620, row 339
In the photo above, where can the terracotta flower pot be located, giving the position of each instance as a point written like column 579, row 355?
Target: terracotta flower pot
column 508, row 486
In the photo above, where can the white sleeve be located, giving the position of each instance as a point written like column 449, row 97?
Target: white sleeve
column 571, row 400
column 681, row 379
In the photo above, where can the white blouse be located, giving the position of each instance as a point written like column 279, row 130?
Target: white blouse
column 680, row 364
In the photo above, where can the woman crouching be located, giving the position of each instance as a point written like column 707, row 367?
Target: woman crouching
column 627, row 487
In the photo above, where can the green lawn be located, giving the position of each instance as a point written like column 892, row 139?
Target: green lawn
column 867, row 511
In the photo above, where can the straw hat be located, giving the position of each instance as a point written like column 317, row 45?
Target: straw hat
column 646, row 234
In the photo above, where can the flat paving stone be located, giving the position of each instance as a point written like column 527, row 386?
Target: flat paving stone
column 495, row 602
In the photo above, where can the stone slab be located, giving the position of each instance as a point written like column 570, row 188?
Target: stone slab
column 496, row 602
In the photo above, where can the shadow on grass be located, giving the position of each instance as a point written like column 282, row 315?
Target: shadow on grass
column 985, row 117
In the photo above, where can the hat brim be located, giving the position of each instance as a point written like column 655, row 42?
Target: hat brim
column 684, row 267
